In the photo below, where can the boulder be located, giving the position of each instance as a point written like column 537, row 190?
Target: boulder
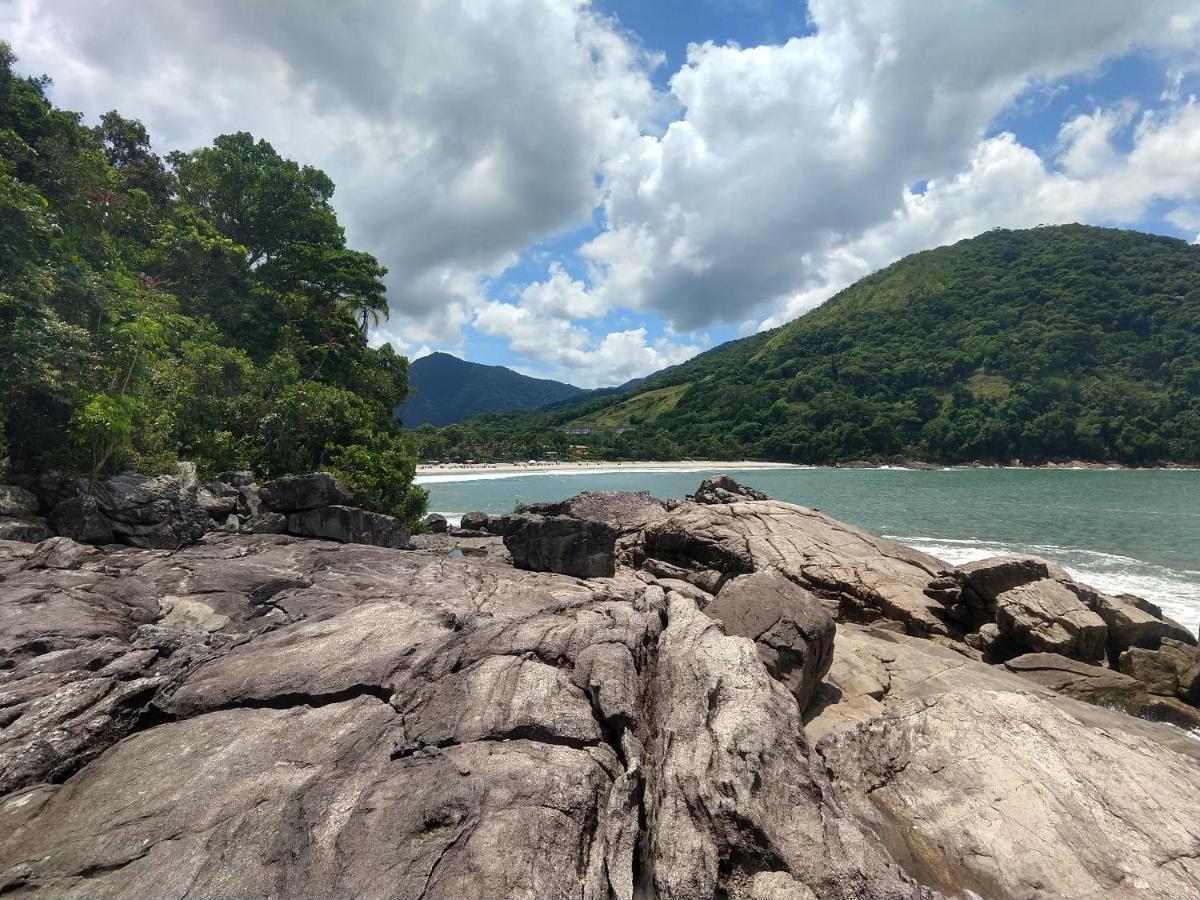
column 349, row 525
column 1129, row 625
column 26, row 531
column 790, row 628
column 986, row 579
column 474, row 521
column 994, row 646
column 17, row 503
column 1045, row 616
column 868, row 577
column 1005, row 795
column 60, row 553
column 625, row 511
column 217, row 499
column 236, row 479
column 297, row 493
column 80, row 519
column 561, row 544
column 249, row 502
column 723, row 489
column 435, row 523
column 1171, row 670
column 266, row 523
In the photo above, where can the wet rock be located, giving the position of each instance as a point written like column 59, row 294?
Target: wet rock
column 561, row 544
column 723, row 489
column 790, row 628
column 349, row 525
column 1045, row 616
column 297, row 493
column 435, row 523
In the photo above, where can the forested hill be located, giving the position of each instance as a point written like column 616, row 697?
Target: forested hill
column 448, row 389
column 1049, row 343
column 204, row 307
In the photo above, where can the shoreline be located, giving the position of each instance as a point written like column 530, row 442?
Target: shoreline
column 544, row 467
column 426, row 470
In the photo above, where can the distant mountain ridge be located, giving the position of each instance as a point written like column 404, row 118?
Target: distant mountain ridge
column 447, row 389
column 1050, row 343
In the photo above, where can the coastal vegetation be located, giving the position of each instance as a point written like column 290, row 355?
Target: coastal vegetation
column 1067, row 342
column 205, row 306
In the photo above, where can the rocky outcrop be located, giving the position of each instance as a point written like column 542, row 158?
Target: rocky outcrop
column 297, row 493
column 17, row 503
column 1171, row 670
column 791, row 630
column 348, row 525
column 723, row 489
column 1047, row 617
column 862, row 576
column 997, row 807
column 269, row 715
column 624, row 511
column 584, row 549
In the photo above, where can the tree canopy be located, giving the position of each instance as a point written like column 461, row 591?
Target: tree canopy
column 201, row 307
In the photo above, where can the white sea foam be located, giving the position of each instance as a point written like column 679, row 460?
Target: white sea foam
column 1177, row 591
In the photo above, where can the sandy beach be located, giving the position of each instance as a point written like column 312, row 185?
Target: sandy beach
column 548, row 466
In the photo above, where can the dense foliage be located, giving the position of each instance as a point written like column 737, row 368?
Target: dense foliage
column 1068, row 342
column 202, row 307
column 447, row 389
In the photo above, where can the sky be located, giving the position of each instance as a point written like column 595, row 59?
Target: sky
column 592, row 191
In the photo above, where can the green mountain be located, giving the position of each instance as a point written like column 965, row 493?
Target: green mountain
column 448, row 389
column 1048, row 343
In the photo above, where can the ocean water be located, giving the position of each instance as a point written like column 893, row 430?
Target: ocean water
column 1135, row 531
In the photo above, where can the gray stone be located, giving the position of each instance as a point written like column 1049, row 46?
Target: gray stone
column 23, row 530
column 790, row 628
column 60, row 553
column 17, row 503
column 625, row 511
column 435, row 523
column 236, row 479
column 217, row 499
column 723, row 489
column 80, row 519
column 474, row 521
column 267, row 523
column 297, row 493
column 561, row 544
column 349, row 525
column 870, row 577
column 1045, row 616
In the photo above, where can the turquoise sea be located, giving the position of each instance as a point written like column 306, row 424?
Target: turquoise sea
column 1135, row 531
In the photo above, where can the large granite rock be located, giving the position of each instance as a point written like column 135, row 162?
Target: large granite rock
column 435, row 523
column 304, row 718
column 585, row 549
column 989, row 791
column 24, row 530
column 349, row 525
column 80, row 519
column 1047, row 617
column 723, row 489
column 1173, row 669
column 791, row 630
column 624, row 511
column 153, row 512
column 297, row 493
column 864, row 576
column 17, row 503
